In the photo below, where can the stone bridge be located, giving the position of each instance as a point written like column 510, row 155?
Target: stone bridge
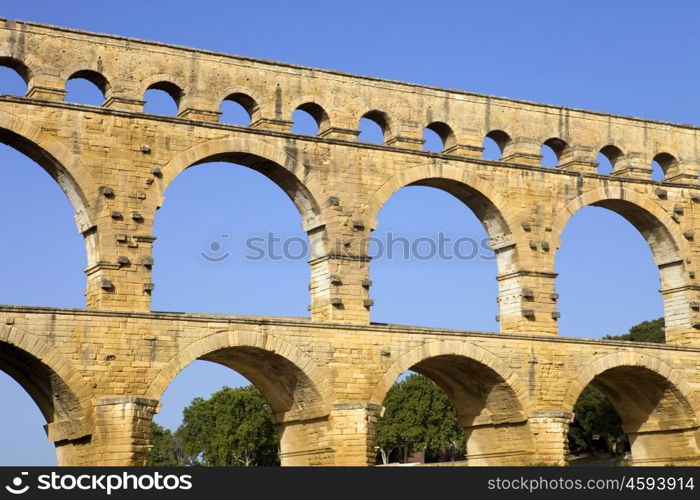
column 97, row 374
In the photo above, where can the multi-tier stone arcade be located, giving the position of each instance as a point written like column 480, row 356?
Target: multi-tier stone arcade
column 98, row 373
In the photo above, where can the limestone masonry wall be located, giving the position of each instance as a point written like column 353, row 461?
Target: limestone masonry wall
column 98, row 374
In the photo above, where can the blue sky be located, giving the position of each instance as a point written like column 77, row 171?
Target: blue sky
column 634, row 58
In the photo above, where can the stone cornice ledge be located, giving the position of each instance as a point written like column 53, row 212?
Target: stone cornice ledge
column 308, row 323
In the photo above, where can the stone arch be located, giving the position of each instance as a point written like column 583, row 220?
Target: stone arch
column 288, row 172
column 615, row 155
column 668, row 161
column 633, row 359
column 661, row 234
column 657, row 407
column 502, row 139
column 221, row 340
column 444, row 132
column 171, row 84
column 314, row 106
column 298, row 391
column 62, row 394
column 447, row 348
column 94, row 71
column 95, row 77
column 149, row 80
column 490, row 401
column 248, row 98
column 559, row 146
column 481, row 197
column 17, row 64
column 383, row 120
column 62, row 165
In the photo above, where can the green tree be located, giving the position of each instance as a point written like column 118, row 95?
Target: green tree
column 231, row 428
column 595, row 415
column 597, row 426
column 418, row 417
column 167, row 447
column 646, row 331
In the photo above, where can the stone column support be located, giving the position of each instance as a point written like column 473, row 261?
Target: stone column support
column 528, row 303
column 344, row 126
column 409, row 135
column 275, row 124
column 122, row 430
column 72, row 439
column 682, row 171
column 353, row 429
column 579, row 159
column 682, row 314
column 270, row 114
column 120, row 247
column 47, row 87
column 676, row 445
column 465, row 142
column 463, row 149
column 523, row 150
column 120, row 285
column 635, row 165
column 123, row 96
column 550, row 429
column 340, row 288
column 501, row 444
column 346, row 134
column 305, row 437
column 194, row 106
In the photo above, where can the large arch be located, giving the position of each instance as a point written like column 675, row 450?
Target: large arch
column 667, row 245
column 650, row 218
column 490, row 401
column 297, row 390
column 61, row 393
column 657, row 407
column 62, row 165
column 489, row 205
column 285, row 170
column 479, row 196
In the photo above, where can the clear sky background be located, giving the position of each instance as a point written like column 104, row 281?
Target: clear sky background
column 626, row 57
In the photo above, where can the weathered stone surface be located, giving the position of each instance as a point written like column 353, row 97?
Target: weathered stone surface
column 98, row 374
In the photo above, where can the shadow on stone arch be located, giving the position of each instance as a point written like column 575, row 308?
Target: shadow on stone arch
column 486, row 396
column 62, row 396
column 656, row 411
column 298, row 398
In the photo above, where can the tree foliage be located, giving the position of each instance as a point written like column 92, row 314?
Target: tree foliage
column 167, row 447
column 597, row 426
column 646, row 331
column 418, row 417
column 231, row 428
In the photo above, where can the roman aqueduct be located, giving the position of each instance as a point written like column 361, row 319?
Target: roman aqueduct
column 97, row 374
